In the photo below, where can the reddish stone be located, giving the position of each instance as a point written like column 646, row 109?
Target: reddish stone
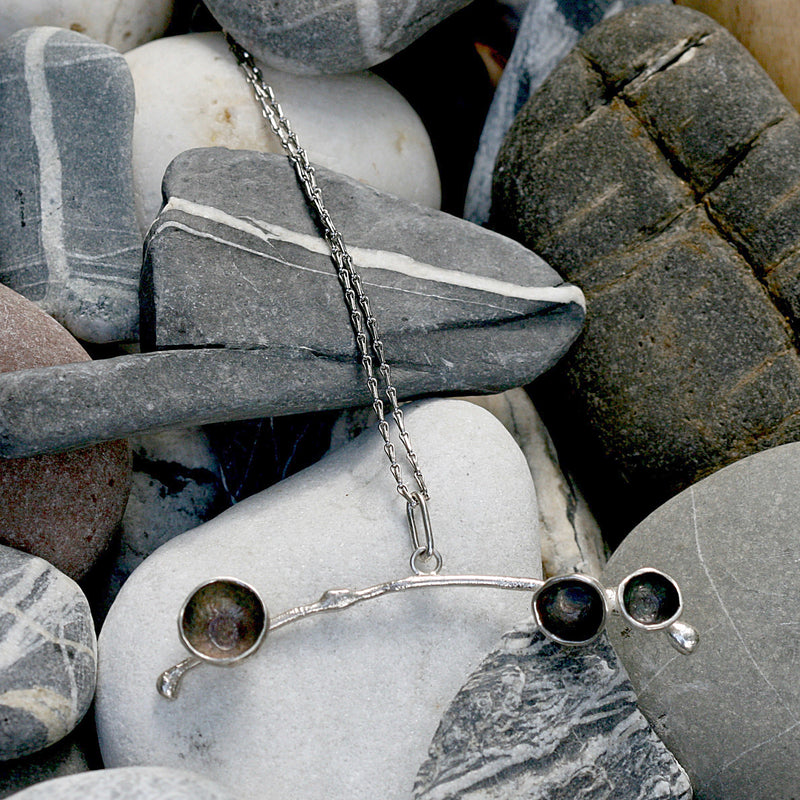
column 63, row 507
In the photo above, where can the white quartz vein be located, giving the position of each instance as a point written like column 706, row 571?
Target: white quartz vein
column 368, row 258
column 52, row 222
column 54, row 711
column 368, row 17
column 728, row 616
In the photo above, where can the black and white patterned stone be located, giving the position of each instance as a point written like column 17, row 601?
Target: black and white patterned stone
column 238, row 289
column 537, row 721
column 68, row 234
column 548, row 31
column 656, row 167
column 312, row 36
column 48, row 654
column 731, row 711
column 130, row 783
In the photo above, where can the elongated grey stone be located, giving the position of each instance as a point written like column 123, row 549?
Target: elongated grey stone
column 537, row 721
column 68, row 234
column 48, row 654
column 237, row 276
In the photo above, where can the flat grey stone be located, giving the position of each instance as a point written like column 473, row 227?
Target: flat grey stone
column 129, row 783
column 731, row 711
column 238, row 291
column 48, row 654
column 666, row 192
column 313, row 36
column 68, row 233
column 548, row 31
column 537, row 721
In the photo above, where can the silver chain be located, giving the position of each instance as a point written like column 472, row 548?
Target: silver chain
column 365, row 327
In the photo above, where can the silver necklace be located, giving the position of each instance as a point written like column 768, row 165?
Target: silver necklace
column 224, row 620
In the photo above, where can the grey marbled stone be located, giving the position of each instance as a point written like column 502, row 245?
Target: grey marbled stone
column 312, row 36
column 238, row 292
column 537, row 721
column 68, row 234
column 731, row 711
column 48, row 654
column 129, row 783
column 548, row 31
column 656, row 168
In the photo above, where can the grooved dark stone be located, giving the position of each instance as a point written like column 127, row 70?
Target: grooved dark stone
column 537, row 721
column 672, row 201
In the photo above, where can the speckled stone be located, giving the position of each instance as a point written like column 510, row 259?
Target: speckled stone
column 537, row 721
column 130, row 783
column 48, row 654
column 671, row 199
column 548, row 31
column 63, row 507
column 731, row 711
column 332, row 706
column 312, row 36
column 68, row 234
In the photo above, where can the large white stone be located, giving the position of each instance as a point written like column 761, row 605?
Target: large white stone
column 341, row 705
column 123, row 24
column 191, row 93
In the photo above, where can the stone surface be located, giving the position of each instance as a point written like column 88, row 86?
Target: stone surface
column 548, row 31
column 769, row 29
column 68, row 236
column 537, row 721
column 670, row 198
column 61, row 507
column 48, row 654
column 460, row 309
column 176, row 485
column 332, row 707
column 313, row 36
column 122, row 25
column 729, row 712
column 130, row 783
column 355, row 124
column 570, row 537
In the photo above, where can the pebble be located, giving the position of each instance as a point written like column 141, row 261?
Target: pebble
column 48, row 654
column 129, row 783
column 322, row 36
column 729, row 712
column 673, row 204
column 122, row 25
column 460, row 309
column 537, row 721
column 62, row 507
column 335, row 707
column 355, row 124
column 68, row 233
column 769, row 29
column 548, row 31
column 176, row 485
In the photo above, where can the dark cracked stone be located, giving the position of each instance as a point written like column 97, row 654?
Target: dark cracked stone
column 537, row 721
column 68, row 234
column 668, row 192
column 240, row 296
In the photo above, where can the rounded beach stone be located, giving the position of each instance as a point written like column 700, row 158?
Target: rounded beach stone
column 672, row 201
column 729, row 711
column 354, row 124
column 313, row 36
column 123, row 25
column 62, row 507
column 129, row 783
column 769, row 29
column 345, row 704
column 48, row 654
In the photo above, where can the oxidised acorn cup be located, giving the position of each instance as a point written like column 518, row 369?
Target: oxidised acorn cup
column 223, row 621
column 570, row 609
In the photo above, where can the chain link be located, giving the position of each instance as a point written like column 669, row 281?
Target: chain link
column 365, row 327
